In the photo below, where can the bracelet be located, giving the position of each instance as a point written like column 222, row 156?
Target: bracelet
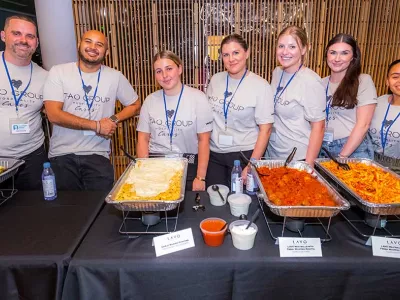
column 97, row 127
column 341, row 156
column 200, row 178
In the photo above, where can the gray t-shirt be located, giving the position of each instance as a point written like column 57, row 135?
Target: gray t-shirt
column 252, row 104
column 64, row 84
column 342, row 120
column 194, row 116
column 302, row 102
column 18, row 145
column 392, row 146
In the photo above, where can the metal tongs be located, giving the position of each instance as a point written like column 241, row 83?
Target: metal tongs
column 341, row 165
column 253, row 164
column 290, row 157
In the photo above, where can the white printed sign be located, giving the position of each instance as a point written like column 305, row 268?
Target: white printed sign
column 386, row 247
column 299, row 247
column 173, row 242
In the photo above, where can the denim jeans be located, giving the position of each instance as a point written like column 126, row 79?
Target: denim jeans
column 365, row 150
column 83, row 172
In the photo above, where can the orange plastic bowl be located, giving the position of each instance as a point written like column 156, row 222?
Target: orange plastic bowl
column 212, row 235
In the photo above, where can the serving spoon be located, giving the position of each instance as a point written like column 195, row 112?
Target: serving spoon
column 216, row 189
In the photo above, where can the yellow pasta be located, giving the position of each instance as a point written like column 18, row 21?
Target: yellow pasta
column 149, row 184
column 370, row 183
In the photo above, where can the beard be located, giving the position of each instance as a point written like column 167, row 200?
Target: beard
column 24, row 54
column 90, row 61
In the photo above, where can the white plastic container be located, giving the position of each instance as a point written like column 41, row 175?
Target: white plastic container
column 239, row 204
column 242, row 238
column 215, row 199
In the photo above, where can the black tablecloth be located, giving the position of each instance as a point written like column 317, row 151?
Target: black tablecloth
column 38, row 238
column 108, row 265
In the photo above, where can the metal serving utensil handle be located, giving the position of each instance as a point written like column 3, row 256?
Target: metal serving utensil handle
column 127, row 154
column 291, row 156
column 330, row 155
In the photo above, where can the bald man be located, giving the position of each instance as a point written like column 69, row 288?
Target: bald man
column 21, row 100
column 80, row 102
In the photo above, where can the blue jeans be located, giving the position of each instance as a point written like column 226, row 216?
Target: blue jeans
column 365, row 150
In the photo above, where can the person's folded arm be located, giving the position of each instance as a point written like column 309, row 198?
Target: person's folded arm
column 57, row 116
column 129, row 111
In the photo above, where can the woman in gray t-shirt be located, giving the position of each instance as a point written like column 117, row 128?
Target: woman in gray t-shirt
column 299, row 101
column 385, row 125
column 243, row 112
column 350, row 100
column 176, row 120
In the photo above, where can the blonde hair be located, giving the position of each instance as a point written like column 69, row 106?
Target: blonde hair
column 169, row 55
column 300, row 35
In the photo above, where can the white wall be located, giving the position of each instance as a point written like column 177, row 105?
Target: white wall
column 56, row 31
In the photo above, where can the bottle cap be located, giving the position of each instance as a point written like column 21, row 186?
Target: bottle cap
column 236, row 163
column 46, row 165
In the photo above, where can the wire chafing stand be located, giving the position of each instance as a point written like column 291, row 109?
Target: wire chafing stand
column 370, row 219
column 297, row 218
column 150, row 222
column 11, row 166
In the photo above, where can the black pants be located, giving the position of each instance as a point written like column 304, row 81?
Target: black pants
column 83, row 172
column 220, row 166
column 29, row 175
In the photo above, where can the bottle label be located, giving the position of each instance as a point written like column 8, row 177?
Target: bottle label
column 233, row 179
column 48, row 187
column 250, row 183
column 239, row 185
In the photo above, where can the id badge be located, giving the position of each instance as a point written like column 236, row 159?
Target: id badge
column 19, row 126
column 329, row 135
column 89, row 132
column 272, row 137
column 225, row 139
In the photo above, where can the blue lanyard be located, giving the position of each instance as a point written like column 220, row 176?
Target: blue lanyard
column 89, row 105
column 287, row 84
column 171, row 129
column 226, row 107
column 384, row 137
column 328, row 104
column 16, row 100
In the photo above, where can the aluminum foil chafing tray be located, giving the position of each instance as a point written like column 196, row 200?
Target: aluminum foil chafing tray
column 369, row 207
column 11, row 165
column 146, row 205
column 301, row 211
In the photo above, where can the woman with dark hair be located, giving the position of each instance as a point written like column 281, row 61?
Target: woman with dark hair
column 242, row 104
column 385, row 125
column 299, row 100
column 176, row 120
column 350, row 100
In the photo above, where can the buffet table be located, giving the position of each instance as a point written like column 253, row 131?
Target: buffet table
column 108, row 265
column 38, row 239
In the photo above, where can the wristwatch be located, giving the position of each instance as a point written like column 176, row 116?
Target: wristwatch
column 114, row 119
column 200, row 178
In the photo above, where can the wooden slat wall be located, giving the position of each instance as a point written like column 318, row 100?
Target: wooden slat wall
column 137, row 29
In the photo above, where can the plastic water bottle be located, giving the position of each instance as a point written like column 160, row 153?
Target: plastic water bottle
column 49, row 182
column 251, row 184
column 236, row 178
